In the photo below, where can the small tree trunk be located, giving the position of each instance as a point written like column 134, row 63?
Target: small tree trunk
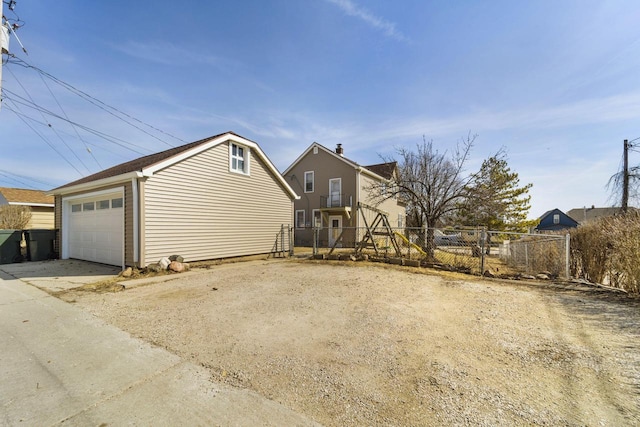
column 429, row 244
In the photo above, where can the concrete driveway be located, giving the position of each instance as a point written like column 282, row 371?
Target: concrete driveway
column 61, row 365
column 57, row 275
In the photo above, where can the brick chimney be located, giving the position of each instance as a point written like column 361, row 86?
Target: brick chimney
column 339, row 150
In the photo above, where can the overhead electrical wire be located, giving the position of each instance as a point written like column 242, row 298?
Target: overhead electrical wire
column 48, row 123
column 41, row 136
column 124, row 144
column 74, row 128
column 10, row 176
column 100, row 104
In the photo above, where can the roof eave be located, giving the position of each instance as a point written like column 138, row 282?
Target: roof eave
column 43, row 205
column 95, row 184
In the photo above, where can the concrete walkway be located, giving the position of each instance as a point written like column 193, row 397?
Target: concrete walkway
column 61, row 366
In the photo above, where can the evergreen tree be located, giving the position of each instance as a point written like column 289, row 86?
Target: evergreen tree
column 494, row 199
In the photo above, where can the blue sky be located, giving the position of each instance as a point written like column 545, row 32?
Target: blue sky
column 554, row 82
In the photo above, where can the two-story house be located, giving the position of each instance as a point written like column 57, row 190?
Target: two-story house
column 330, row 187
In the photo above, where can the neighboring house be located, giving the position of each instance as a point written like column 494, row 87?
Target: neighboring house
column 330, row 187
column 583, row 215
column 554, row 220
column 40, row 204
column 215, row 198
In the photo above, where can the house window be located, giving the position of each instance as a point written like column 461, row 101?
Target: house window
column 239, row 159
column 308, row 182
column 76, row 208
column 556, row 218
column 400, row 220
column 383, row 188
column 300, row 219
column 102, row 204
column 116, row 203
column 89, row 206
column 317, row 218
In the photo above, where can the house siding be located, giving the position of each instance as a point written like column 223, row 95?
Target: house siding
column 325, row 166
column 128, row 217
column 370, row 195
column 197, row 208
column 41, row 217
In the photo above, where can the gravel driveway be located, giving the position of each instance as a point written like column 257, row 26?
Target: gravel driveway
column 370, row 344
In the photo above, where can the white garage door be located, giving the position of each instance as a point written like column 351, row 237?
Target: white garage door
column 95, row 229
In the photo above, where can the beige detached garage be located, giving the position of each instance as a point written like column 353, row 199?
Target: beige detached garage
column 219, row 197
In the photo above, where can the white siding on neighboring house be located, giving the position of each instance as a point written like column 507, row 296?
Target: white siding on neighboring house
column 41, row 217
column 368, row 186
column 197, row 208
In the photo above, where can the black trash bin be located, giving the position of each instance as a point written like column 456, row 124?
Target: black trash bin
column 40, row 244
column 10, row 246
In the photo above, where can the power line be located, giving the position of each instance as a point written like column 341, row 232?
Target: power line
column 43, row 138
column 100, row 104
column 67, row 117
column 5, row 173
column 9, row 178
column 112, row 139
column 49, row 124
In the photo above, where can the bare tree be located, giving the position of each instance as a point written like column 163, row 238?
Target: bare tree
column 431, row 183
column 14, row 217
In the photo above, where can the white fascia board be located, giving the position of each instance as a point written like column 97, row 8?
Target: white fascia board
column 40, row 205
column 149, row 171
column 87, row 186
column 115, row 190
column 300, row 157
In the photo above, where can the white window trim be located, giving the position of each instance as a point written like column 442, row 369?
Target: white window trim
column 329, row 200
column 313, row 181
column 245, row 159
column 298, row 225
column 556, row 219
column 313, row 216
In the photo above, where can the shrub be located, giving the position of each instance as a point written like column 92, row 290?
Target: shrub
column 14, row 217
column 608, row 248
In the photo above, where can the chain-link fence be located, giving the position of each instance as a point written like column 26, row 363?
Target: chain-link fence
column 474, row 251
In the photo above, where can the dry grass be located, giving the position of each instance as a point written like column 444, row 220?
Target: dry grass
column 608, row 248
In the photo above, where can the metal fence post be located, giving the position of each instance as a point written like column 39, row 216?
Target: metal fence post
column 483, row 239
column 290, row 234
column 315, row 240
column 567, row 256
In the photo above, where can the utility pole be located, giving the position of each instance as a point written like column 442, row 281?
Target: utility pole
column 6, row 29
column 625, row 177
column 4, row 43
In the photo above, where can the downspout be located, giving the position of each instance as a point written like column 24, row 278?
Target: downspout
column 136, row 221
column 357, row 201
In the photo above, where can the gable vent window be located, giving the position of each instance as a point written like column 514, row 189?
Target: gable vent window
column 308, row 182
column 239, row 159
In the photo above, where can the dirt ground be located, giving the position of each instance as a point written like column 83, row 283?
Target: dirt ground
column 370, row 344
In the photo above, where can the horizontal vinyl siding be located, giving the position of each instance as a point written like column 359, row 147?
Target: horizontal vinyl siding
column 200, row 210
column 41, row 217
column 390, row 206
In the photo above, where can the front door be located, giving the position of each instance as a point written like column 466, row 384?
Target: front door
column 335, row 228
column 335, row 188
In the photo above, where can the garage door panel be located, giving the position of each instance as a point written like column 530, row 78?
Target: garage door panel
column 96, row 234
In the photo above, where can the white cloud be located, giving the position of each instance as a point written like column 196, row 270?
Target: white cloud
column 168, row 54
column 352, row 9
